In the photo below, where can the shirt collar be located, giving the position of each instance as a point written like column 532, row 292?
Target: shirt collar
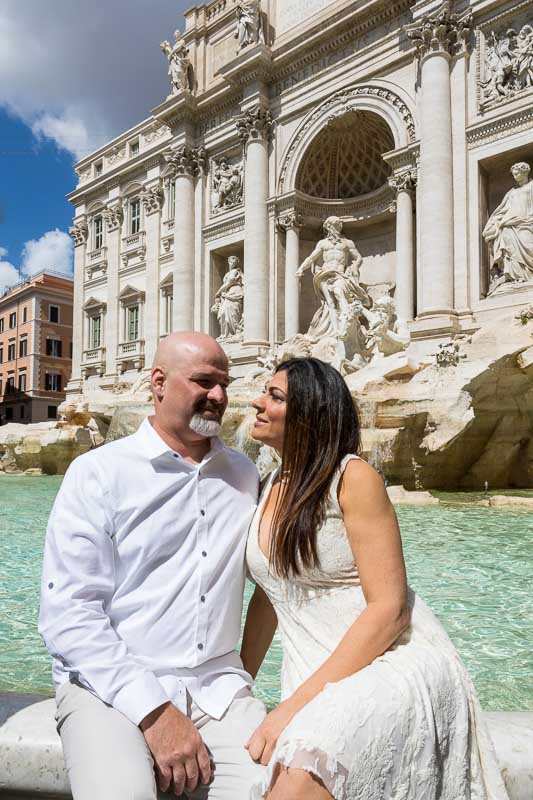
column 154, row 446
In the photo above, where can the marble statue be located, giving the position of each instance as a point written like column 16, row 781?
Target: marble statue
column 508, row 63
column 179, row 66
column 228, row 303
column 387, row 334
column 227, row 184
column 509, row 232
column 249, row 23
column 336, row 281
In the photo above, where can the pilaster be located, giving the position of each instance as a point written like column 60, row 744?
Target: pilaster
column 152, row 201
column 291, row 222
column 113, row 218
column 80, row 233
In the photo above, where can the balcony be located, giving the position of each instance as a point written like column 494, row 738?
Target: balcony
column 96, row 261
column 133, row 246
column 93, row 362
column 130, row 355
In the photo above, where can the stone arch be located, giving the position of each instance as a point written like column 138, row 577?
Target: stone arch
column 378, row 98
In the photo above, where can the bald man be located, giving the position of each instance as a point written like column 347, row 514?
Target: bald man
column 141, row 597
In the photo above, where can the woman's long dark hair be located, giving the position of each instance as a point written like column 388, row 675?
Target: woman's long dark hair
column 321, row 427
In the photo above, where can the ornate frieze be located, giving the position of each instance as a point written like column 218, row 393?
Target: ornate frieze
column 116, row 154
column 152, row 199
column 508, row 63
column 155, row 131
column 289, row 220
column 80, row 233
column 495, row 129
column 113, row 216
column 404, row 181
column 227, row 184
column 256, row 123
column 442, row 33
column 185, row 160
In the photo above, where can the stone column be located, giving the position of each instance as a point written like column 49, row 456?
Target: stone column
column 255, row 127
column 79, row 233
column 437, row 38
column 152, row 200
column 113, row 216
column 291, row 224
column 185, row 162
column 404, row 183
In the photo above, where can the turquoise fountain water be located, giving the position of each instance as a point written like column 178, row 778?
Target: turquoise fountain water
column 472, row 565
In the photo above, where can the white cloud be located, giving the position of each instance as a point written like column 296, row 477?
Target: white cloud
column 53, row 251
column 81, row 73
column 3, row 252
column 8, row 273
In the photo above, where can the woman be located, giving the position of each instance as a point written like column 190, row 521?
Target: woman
column 376, row 703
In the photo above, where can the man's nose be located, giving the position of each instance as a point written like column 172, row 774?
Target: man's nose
column 217, row 394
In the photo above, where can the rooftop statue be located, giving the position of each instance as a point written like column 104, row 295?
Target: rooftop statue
column 228, row 303
column 179, row 66
column 509, row 232
column 249, row 23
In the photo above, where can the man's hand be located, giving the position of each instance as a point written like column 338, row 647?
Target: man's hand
column 179, row 752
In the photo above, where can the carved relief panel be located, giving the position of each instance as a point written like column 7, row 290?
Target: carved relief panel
column 226, row 183
column 505, row 67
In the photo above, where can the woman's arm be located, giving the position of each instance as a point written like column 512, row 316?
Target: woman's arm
column 259, row 628
column 375, row 540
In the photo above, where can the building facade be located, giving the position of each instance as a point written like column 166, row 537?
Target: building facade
column 400, row 118
column 35, row 348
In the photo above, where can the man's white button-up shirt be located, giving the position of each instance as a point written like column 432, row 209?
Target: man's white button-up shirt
column 143, row 574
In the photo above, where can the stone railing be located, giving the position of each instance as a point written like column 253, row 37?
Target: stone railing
column 130, row 349
column 133, row 241
column 90, row 356
column 31, row 759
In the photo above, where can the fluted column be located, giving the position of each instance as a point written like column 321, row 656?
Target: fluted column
column 255, row 127
column 185, row 162
column 404, row 183
column 79, row 232
column 437, row 38
column 152, row 200
column 114, row 217
column 291, row 224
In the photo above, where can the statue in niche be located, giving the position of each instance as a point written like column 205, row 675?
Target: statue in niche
column 179, row 67
column 509, row 63
column 509, row 232
column 228, row 303
column 249, row 23
column 227, row 184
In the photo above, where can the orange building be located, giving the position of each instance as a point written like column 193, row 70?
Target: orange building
column 35, row 347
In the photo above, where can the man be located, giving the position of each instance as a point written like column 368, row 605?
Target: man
column 142, row 595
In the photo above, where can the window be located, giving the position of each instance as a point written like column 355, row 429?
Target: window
column 53, row 314
column 22, row 412
column 1, row 324
column 22, row 381
column 52, row 382
column 1, row 387
column 11, row 351
column 98, row 232
column 95, row 336
column 134, row 148
column 52, row 412
column 135, row 216
column 169, row 304
column 23, row 347
column 10, row 384
column 132, row 323
column 53, row 348
column 13, row 320
column 9, row 413
column 1, row 355
column 98, row 167
column 172, row 200
column 25, row 314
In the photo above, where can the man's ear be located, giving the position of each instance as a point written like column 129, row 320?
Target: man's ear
column 158, row 382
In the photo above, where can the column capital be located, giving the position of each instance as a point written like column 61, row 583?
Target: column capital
column 289, row 221
column 443, row 32
column 113, row 215
column 256, row 123
column 185, row 160
column 152, row 198
column 79, row 232
column 404, row 181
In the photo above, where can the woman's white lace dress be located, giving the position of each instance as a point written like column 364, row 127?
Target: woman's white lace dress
column 408, row 726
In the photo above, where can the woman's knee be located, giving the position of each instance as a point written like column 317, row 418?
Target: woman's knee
column 297, row 784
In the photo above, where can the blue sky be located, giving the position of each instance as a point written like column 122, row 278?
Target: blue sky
column 72, row 76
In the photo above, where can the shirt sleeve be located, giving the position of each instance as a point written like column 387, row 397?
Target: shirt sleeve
column 78, row 582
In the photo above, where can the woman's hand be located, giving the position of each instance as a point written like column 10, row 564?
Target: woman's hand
column 263, row 740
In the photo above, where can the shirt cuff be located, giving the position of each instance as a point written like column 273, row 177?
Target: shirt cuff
column 138, row 698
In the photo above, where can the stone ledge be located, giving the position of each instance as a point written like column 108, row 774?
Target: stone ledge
column 31, row 759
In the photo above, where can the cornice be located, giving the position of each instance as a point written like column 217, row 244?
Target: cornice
column 357, row 209
column 492, row 130
column 224, row 227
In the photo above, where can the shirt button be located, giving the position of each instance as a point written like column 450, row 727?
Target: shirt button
column 204, row 554
column 202, row 598
column 200, row 647
column 50, row 585
column 202, row 512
